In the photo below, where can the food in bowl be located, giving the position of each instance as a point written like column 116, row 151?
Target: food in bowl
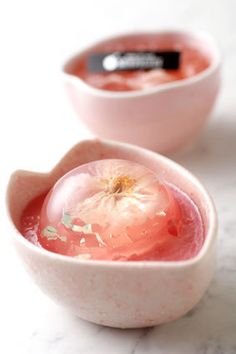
column 118, row 210
column 140, row 52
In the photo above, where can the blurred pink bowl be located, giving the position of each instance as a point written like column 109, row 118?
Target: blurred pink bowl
column 117, row 294
column 162, row 118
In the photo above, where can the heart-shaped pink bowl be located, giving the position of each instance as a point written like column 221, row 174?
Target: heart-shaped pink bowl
column 117, row 294
column 162, row 118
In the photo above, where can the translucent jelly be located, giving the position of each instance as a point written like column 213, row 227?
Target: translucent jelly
column 193, row 60
column 114, row 210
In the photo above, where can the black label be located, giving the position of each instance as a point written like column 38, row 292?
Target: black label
column 123, row 61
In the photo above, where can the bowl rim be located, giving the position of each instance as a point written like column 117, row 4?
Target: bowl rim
column 210, row 236
column 198, row 34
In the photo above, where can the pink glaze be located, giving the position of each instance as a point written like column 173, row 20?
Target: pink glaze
column 117, row 294
column 162, row 118
column 115, row 210
column 193, row 60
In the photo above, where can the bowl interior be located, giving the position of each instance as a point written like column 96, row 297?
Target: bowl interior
column 25, row 186
column 145, row 41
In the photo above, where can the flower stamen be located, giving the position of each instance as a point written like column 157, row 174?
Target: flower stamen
column 122, row 184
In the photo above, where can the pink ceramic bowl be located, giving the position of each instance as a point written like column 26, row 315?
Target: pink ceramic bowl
column 113, row 293
column 162, row 118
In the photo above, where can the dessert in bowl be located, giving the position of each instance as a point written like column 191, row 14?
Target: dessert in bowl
column 160, row 109
column 115, row 209
column 137, row 277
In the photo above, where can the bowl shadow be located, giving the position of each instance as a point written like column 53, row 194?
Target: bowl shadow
column 208, row 328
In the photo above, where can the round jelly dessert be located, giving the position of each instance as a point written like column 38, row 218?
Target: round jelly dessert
column 115, row 210
column 193, row 60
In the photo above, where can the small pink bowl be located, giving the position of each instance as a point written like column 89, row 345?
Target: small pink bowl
column 113, row 293
column 162, row 118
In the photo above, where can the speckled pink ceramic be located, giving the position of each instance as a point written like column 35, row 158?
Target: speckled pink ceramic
column 162, row 118
column 117, row 294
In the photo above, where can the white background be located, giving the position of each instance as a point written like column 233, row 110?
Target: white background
column 38, row 126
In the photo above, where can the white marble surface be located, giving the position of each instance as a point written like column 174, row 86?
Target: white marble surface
column 36, row 37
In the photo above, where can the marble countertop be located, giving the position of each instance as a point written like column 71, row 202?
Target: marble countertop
column 39, row 126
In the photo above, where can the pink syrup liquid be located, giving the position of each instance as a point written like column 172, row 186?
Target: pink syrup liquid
column 193, row 60
column 115, row 210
